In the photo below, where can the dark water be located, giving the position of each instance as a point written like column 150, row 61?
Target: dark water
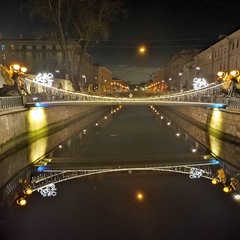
column 172, row 206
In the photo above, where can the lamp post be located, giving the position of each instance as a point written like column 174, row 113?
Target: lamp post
column 18, row 71
column 84, row 82
column 170, row 84
column 180, row 81
column 197, row 71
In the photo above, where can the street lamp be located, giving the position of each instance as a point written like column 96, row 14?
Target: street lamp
column 197, row 71
column 18, row 71
column 142, row 49
column 180, row 81
column 85, row 79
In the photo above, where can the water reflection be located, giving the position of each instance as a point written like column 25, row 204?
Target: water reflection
column 132, row 141
column 116, row 191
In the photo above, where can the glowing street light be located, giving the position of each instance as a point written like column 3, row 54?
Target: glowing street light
column 140, row 196
column 18, row 69
column 142, row 49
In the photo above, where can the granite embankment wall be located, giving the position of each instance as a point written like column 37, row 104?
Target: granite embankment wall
column 217, row 130
column 35, row 132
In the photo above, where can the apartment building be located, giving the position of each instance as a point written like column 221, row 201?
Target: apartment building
column 45, row 55
column 182, row 68
column 103, row 77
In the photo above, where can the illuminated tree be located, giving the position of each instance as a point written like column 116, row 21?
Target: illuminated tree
column 75, row 23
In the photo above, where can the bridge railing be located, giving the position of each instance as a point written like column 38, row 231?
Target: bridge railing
column 40, row 93
column 11, row 102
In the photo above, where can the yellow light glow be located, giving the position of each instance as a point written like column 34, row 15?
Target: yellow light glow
column 234, row 73
column 36, row 118
column 15, row 67
column 27, row 191
column 37, row 121
column 38, row 149
column 221, row 74
column 23, row 69
column 140, row 196
column 216, row 123
column 227, row 189
column 21, row 202
column 142, row 49
column 215, row 181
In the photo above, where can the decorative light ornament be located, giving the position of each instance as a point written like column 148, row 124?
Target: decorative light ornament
column 215, row 181
column 48, row 190
column 27, row 191
column 199, row 83
column 221, row 74
column 227, row 189
column 44, row 79
column 195, row 173
column 234, row 73
column 237, row 196
column 21, row 202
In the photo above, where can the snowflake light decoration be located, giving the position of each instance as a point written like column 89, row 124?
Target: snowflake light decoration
column 199, row 83
column 48, row 190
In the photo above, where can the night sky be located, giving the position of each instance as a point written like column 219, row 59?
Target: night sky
column 164, row 27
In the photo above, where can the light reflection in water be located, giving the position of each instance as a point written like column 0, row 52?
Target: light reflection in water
column 215, row 122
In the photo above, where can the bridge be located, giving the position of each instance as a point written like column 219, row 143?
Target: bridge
column 41, row 95
column 45, row 96
column 50, row 171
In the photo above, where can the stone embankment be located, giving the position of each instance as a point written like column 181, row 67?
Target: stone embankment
column 22, row 127
column 216, row 129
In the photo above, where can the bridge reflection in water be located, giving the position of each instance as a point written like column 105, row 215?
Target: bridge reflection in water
column 51, row 170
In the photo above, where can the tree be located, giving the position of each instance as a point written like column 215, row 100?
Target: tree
column 76, row 23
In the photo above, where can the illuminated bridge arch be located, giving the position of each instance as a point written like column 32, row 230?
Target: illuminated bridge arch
column 45, row 180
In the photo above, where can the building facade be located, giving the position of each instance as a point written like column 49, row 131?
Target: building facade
column 41, row 56
column 102, row 76
column 182, row 69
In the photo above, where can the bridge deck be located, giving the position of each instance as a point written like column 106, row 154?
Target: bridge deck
column 126, row 102
column 90, row 163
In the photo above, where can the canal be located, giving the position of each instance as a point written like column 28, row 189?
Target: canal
column 126, row 204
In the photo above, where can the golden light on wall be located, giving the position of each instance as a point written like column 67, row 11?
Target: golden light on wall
column 36, row 118
column 37, row 121
column 215, row 123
